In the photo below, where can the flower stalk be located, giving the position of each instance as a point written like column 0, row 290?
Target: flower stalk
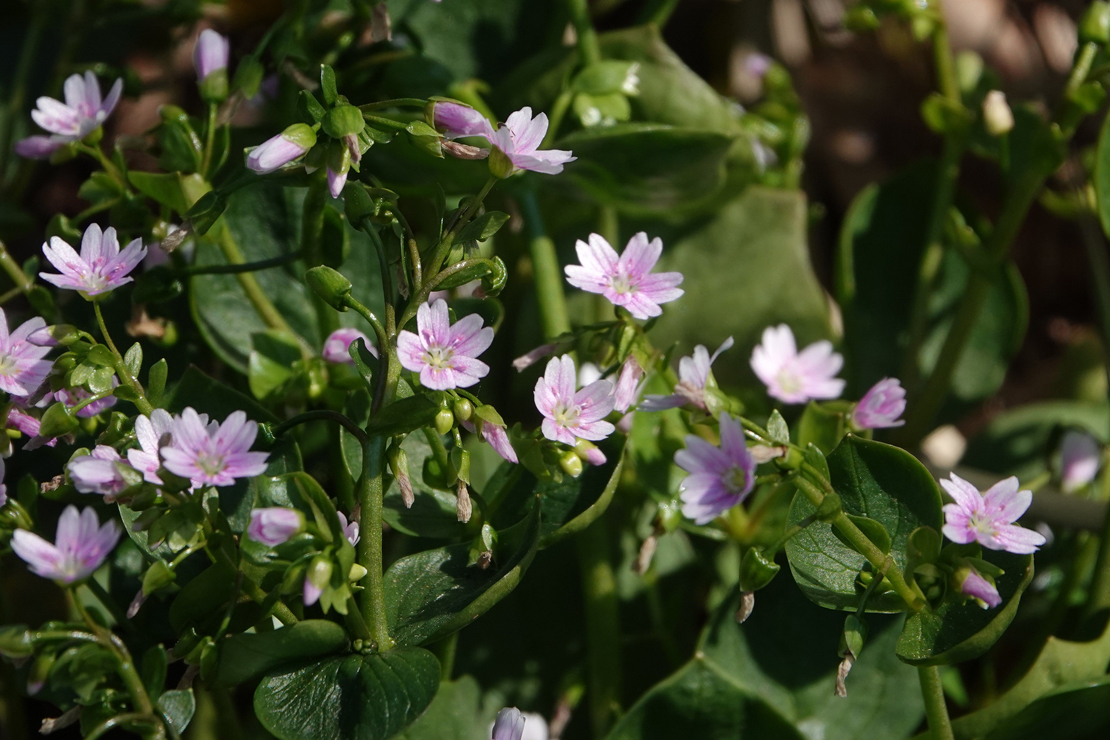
column 122, row 371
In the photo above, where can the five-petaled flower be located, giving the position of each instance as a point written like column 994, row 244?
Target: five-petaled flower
column 627, row 280
column 213, row 454
column 337, row 347
column 693, row 378
column 22, row 367
column 81, row 546
column 81, row 114
column 989, row 518
column 274, row 525
column 796, row 377
column 445, row 354
column 101, row 471
column 569, row 414
column 101, row 266
column 971, row 583
column 882, row 406
column 720, row 477
column 518, row 141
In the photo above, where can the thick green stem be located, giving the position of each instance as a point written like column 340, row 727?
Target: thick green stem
column 121, row 366
column 22, row 281
column 546, row 275
column 209, row 140
column 940, row 727
column 603, row 639
column 588, row 47
column 882, row 563
column 370, row 495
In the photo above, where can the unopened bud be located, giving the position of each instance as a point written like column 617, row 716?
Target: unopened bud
column 52, row 336
column 445, row 421
column 463, row 506
column 463, row 409
column 571, row 463
column 317, row 579
column 997, row 116
column 330, row 285
column 589, row 452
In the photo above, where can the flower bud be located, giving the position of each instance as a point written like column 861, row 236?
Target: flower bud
column 445, row 421
column 456, row 120
column 339, row 164
column 1080, row 458
column 52, row 336
column 571, row 463
column 463, row 409
column 589, row 452
column 316, row 579
column 1094, row 26
column 330, row 285
column 997, row 116
column 210, row 59
column 756, row 570
column 274, row 525
column 343, row 120
column 57, row 420
column 280, row 150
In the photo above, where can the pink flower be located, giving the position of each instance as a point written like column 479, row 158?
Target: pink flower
column 81, row 114
column 337, row 346
column 73, row 396
column 626, row 280
column 978, row 587
column 336, row 181
column 152, row 433
column 628, row 385
column 519, row 141
column 1080, row 458
column 509, row 724
column 989, row 519
column 495, row 436
column 881, row 406
column 101, row 471
column 213, row 454
column 210, row 53
column 531, row 358
column 22, row 367
column 457, row 120
column 351, row 528
column 719, row 477
column 274, row 525
column 568, row 414
column 82, row 546
column 445, row 355
column 101, row 266
column 694, row 376
column 280, row 150
column 792, row 376
column 29, row 425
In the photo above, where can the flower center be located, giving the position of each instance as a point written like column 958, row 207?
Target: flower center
column 622, row 283
column 735, row 479
column 439, row 357
column 211, row 463
column 8, row 365
column 566, row 415
column 981, row 523
column 789, row 381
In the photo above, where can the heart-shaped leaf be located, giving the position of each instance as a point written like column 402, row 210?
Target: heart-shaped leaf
column 1076, row 712
column 357, row 697
column 958, row 631
column 436, row 592
column 874, row 480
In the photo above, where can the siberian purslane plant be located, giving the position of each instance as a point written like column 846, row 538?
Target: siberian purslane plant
column 317, row 499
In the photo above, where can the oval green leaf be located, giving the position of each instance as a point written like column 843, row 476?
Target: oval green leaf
column 247, row 656
column 874, row 480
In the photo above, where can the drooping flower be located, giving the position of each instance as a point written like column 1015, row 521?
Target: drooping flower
column 82, row 113
column 796, row 377
column 456, row 121
column 337, row 346
column 1080, row 458
column 274, row 525
column 280, row 150
column 509, row 725
column 569, row 414
column 445, row 355
column 628, row 385
column 81, row 546
column 495, row 436
column 518, row 142
column 971, row 583
column 101, row 471
column 350, row 528
column 30, row 426
column 627, row 280
column 101, row 266
column 693, row 377
column 151, row 432
column 213, row 454
column 531, row 358
column 210, row 54
column 989, row 518
column 22, row 367
column 881, row 406
column 73, row 396
column 720, row 477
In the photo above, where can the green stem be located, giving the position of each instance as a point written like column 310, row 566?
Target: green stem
column 659, row 12
column 124, row 374
column 558, row 113
column 546, row 275
column 370, row 494
column 445, row 650
column 209, row 141
column 235, row 269
column 882, row 563
column 15, row 272
column 588, row 47
column 109, row 603
column 322, row 415
column 312, row 234
column 603, row 639
column 940, row 727
column 444, row 247
column 107, row 164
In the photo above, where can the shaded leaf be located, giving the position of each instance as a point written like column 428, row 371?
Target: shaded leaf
column 247, row 656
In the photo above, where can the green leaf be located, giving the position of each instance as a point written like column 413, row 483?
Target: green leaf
column 1075, row 712
column 874, row 480
column 777, row 428
column 175, row 190
column 872, row 529
column 483, row 227
column 403, row 416
column 961, row 630
column 178, row 707
column 204, row 598
column 358, row 697
column 210, row 396
column 823, row 425
column 133, row 359
column 246, row 656
column 764, row 232
column 433, row 593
